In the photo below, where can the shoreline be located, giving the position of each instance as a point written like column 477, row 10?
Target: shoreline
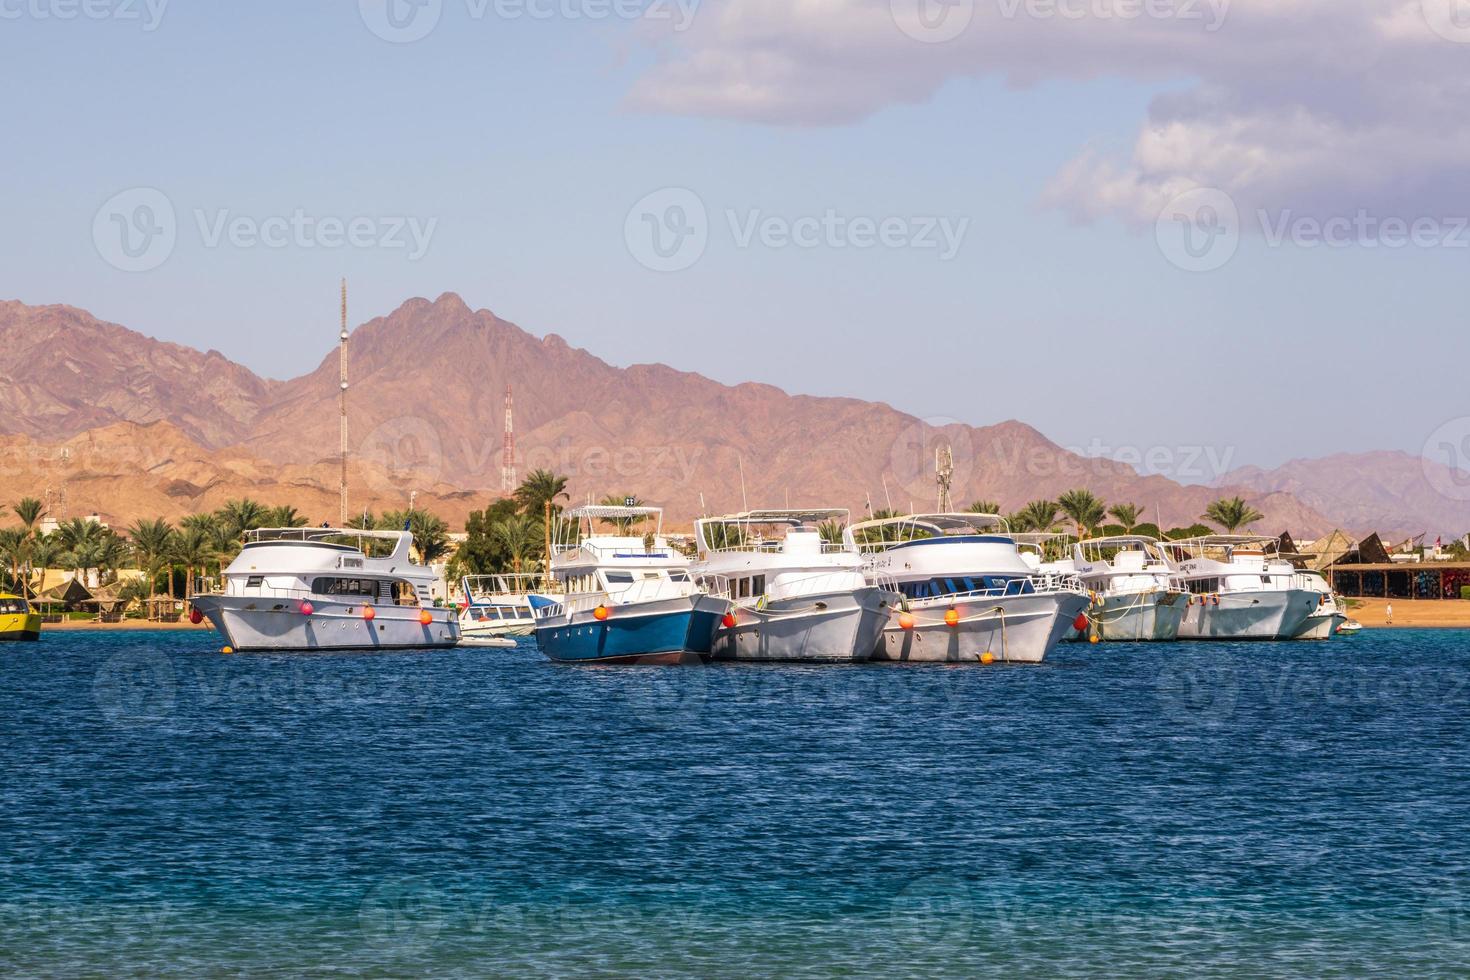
column 1412, row 613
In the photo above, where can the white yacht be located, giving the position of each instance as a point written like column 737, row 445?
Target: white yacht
column 797, row 597
column 968, row 594
column 326, row 589
column 1240, row 588
column 1135, row 595
column 628, row 595
column 500, row 606
column 1321, row 623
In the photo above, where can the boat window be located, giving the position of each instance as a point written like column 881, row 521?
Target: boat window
column 254, row 581
column 619, row 578
column 758, row 585
column 404, row 594
column 13, row 607
column 344, row 586
column 678, row 575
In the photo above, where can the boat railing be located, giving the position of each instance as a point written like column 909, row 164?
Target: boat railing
column 774, row 547
column 626, row 550
column 1043, row 584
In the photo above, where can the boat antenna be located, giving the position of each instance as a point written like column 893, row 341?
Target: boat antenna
column 508, row 462
column 342, row 408
column 887, row 500
column 743, row 504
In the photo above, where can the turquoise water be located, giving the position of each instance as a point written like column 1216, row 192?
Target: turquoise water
column 1217, row 809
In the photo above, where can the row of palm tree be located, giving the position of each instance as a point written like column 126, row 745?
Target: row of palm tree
column 1087, row 514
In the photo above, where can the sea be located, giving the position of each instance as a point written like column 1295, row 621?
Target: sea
column 1211, row 809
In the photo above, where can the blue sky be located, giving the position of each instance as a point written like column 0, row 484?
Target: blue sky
column 523, row 143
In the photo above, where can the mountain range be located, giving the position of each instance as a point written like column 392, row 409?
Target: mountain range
column 100, row 418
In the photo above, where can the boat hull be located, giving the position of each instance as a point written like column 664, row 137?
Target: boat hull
column 20, row 627
column 1319, row 626
column 1264, row 615
column 1012, row 629
column 836, row 627
column 663, row 631
column 470, row 628
column 250, row 624
column 1153, row 616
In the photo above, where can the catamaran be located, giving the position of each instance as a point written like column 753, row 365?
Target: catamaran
column 1323, row 622
column 629, row 597
column 797, row 596
column 1240, row 588
column 500, row 606
column 325, row 589
column 1135, row 595
column 968, row 594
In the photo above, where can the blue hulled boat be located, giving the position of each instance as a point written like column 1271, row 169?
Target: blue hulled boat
column 629, row 597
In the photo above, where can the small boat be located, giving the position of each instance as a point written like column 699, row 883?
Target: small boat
column 1135, row 595
column 798, row 598
column 1350, row 628
column 968, row 594
column 500, row 606
column 327, row 589
column 1240, row 588
column 628, row 595
column 18, row 621
column 1324, row 622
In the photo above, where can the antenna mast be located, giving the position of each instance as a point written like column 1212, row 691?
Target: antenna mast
column 944, row 470
column 342, row 407
column 508, row 463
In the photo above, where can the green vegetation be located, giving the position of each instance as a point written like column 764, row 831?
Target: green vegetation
column 1084, row 509
column 1232, row 513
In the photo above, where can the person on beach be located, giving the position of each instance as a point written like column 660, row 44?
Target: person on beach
column 1388, row 613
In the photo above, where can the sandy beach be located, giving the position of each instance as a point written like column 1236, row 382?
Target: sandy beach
column 126, row 624
column 1444, row 613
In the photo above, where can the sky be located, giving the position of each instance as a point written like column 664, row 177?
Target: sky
column 1139, row 225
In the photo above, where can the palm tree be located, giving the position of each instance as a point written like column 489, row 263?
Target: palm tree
column 1038, row 515
column 363, row 522
column 623, row 524
column 242, row 515
column 13, row 550
column 1232, row 513
column 1126, row 515
column 152, row 543
column 285, row 516
column 193, row 549
column 113, row 553
column 830, row 531
column 984, row 507
column 520, row 536
column 30, row 511
column 1085, row 510
column 539, row 488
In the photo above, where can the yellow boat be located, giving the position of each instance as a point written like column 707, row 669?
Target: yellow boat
column 18, row 621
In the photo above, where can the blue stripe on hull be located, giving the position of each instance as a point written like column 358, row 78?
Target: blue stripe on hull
column 629, row 637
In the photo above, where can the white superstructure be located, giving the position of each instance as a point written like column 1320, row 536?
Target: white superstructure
column 327, row 589
column 967, row 591
column 1240, row 588
column 798, row 596
column 1322, row 622
column 1135, row 595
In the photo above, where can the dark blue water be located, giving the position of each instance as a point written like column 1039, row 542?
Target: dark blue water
column 1217, row 809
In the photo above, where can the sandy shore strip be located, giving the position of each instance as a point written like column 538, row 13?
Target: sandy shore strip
column 126, row 624
column 1432, row 613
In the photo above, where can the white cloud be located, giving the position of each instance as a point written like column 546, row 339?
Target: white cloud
column 1318, row 106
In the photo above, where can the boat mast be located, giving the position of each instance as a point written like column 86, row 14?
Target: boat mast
column 342, row 408
column 944, row 470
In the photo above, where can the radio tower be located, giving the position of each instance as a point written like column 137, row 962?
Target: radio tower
column 944, row 470
column 508, row 463
column 342, row 407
